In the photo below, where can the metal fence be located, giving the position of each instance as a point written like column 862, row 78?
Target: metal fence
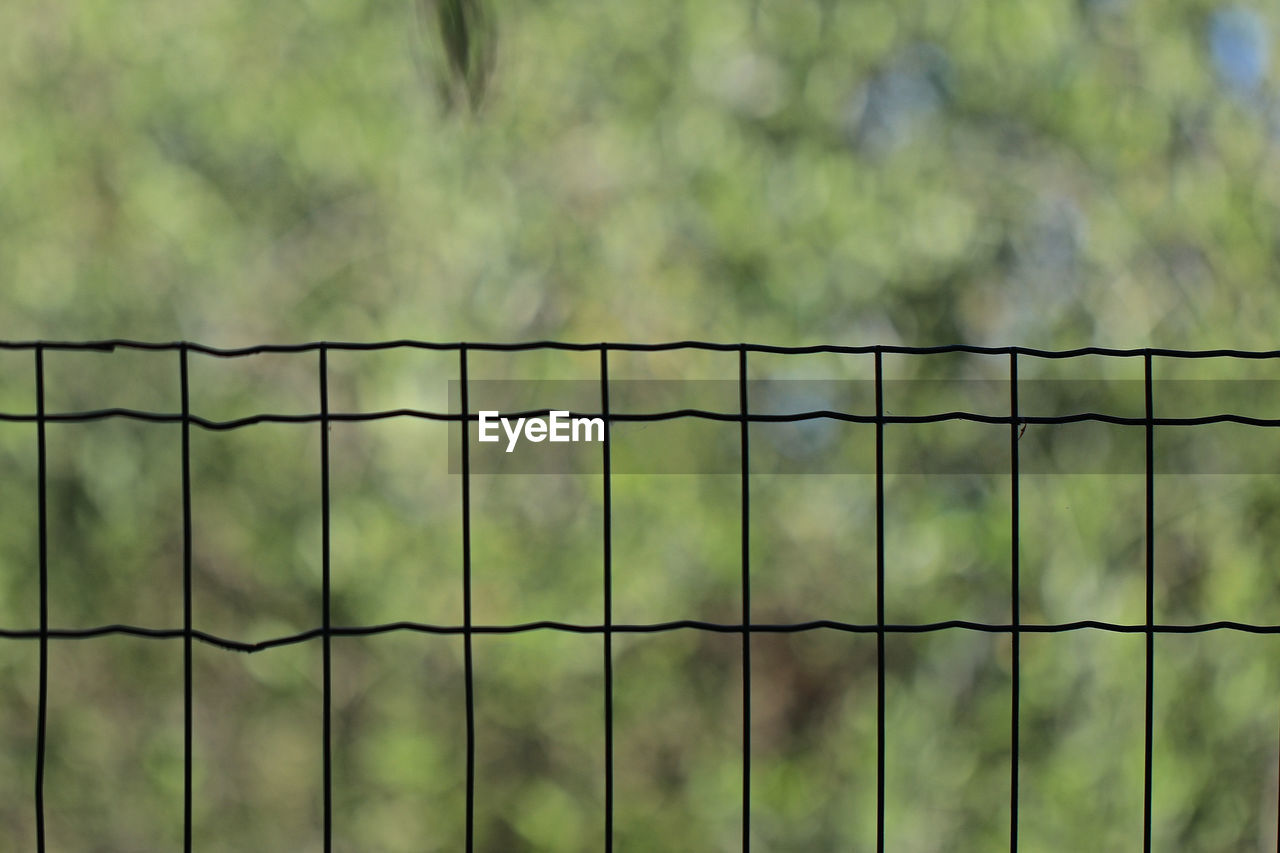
column 1014, row 418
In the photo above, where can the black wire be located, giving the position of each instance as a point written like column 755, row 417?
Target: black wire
column 633, row 628
column 1150, row 584
column 745, row 458
column 325, row 600
column 880, row 626
column 1015, row 604
column 43, row 524
column 108, row 345
column 185, row 393
column 466, row 606
column 608, row 603
column 638, row 417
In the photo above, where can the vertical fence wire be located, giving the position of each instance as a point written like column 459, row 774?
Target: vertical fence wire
column 42, row 713
column 184, row 392
column 879, row 368
column 1015, row 602
column 607, row 470
column 466, row 598
column 745, row 460
column 325, row 608
column 1150, row 594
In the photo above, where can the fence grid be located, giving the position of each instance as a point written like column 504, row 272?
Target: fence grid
column 1015, row 421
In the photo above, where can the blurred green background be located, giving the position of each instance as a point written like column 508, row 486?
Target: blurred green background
column 1041, row 172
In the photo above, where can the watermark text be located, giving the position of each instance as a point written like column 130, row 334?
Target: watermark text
column 558, row 426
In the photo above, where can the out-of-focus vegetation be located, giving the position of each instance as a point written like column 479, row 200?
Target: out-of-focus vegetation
column 1039, row 172
column 1057, row 171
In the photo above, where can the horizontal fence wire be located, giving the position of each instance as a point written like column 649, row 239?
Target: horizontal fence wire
column 107, row 345
column 638, row 628
column 607, row 628
column 619, row 417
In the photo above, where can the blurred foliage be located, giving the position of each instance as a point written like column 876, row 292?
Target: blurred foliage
column 1058, row 171
column 1051, row 173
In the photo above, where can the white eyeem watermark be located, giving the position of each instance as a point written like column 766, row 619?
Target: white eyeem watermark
column 558, row 426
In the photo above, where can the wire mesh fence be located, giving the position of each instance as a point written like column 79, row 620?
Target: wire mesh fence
column 1012, row 412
